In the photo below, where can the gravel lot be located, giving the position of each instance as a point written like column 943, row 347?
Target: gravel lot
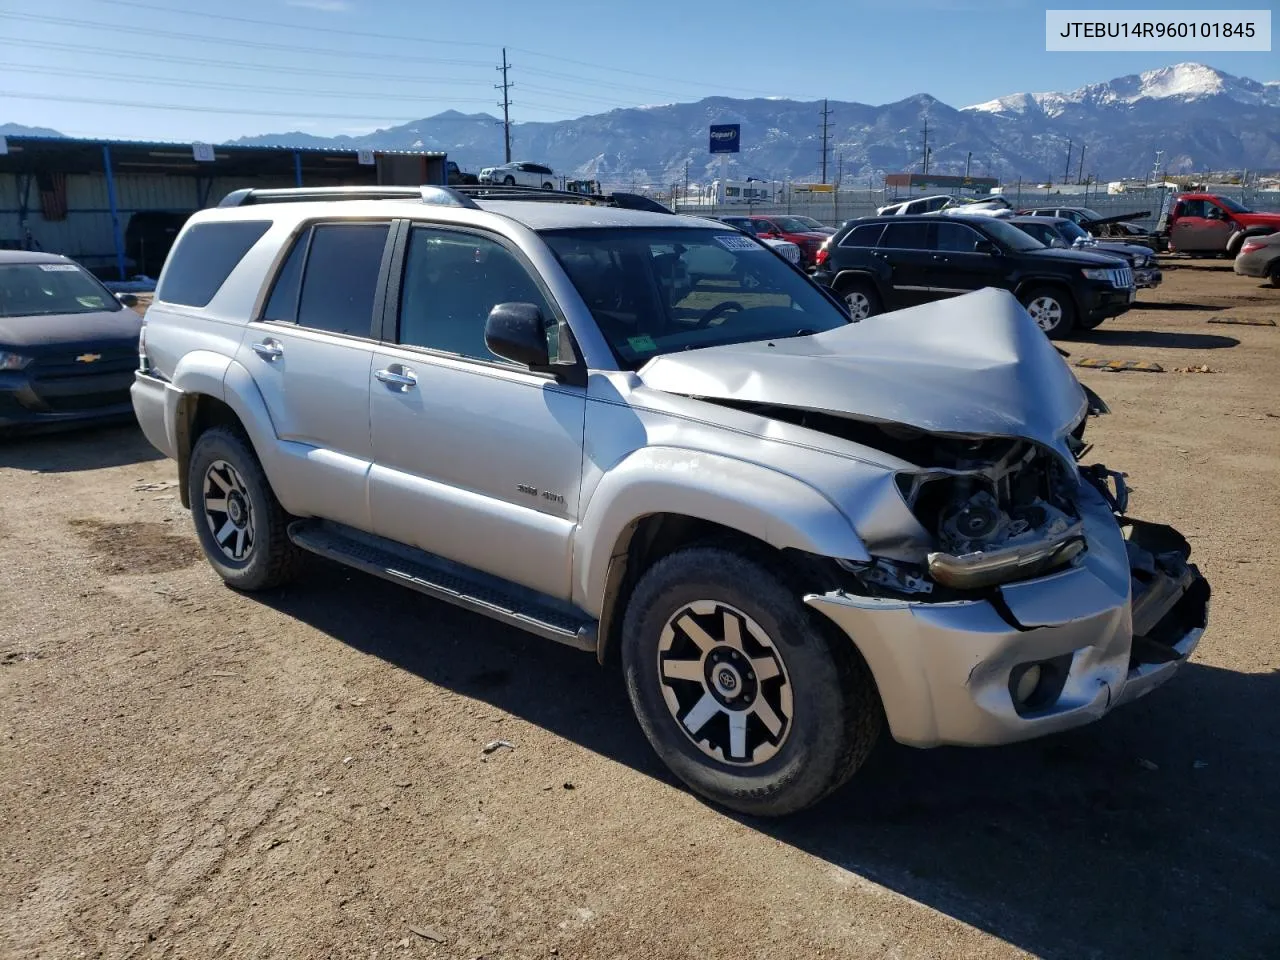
column 188, row 772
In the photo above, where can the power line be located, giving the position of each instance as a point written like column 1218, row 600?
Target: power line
column 99, row 51
column 219, row 85
column 505, row 87
column 341, row 31
column 238, row 42
column 187, row 108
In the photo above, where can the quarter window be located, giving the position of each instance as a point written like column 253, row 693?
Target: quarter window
column 906, row 236
column 864, row 236
column 205, row 257
column 341, row 277
column 451, row 282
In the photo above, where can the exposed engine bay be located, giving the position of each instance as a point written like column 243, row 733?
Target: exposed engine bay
column 995, row 509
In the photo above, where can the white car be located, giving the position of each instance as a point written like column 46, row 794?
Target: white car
column 520, row 173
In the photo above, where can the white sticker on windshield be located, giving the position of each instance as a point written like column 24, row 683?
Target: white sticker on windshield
column 59, row 268
column 739, row 243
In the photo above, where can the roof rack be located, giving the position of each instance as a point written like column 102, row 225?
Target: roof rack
column 427, row 193
column 458, row 196
column 629, row 201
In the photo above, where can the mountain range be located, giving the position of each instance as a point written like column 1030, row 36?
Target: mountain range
column 1198, row 117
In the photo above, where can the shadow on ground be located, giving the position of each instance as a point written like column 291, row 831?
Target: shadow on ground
column 69, row 451
column 1159, row 338
column 1150, row 833
column 1162, row 307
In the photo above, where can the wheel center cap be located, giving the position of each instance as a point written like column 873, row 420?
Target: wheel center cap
column 236, row 509
column 727, row 681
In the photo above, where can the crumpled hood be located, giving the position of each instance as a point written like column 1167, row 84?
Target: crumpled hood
column 69, row 328
column 974, row 364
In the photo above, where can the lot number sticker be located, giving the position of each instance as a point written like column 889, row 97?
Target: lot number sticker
column 59, row 267
column 203, row 152
column 739, row 243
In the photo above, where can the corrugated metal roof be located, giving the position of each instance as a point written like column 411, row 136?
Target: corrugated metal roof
column 148, row 144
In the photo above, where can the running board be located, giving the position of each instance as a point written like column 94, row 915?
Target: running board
column 442, row 579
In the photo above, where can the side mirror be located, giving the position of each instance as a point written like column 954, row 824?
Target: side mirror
column 127, row 299
column 517, row 332
column 1215, row 214
column 986, row 246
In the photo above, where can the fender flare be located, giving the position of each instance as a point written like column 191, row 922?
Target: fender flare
column 763, row 503
column 1062, row 283
column 859, row 273
column 203, row 373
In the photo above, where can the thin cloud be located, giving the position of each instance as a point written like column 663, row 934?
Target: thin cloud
column 326, row 6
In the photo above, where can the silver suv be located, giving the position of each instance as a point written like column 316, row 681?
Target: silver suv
column 649, row 436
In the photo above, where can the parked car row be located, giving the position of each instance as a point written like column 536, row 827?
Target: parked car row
column 889, row 262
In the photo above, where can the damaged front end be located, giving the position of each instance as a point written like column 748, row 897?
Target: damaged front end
column 1033, row 602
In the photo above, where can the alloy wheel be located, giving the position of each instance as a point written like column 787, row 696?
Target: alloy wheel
column 228, row 510
column 725, row 683
column 1046, row 312
column 859, row 304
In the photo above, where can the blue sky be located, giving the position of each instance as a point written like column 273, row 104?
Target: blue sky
column 104, row 67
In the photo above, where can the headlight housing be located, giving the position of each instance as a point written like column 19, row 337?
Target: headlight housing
column 12, row 361
column 1097, row 273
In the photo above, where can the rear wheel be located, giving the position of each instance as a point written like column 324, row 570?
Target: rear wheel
column 737, row 687
column 548, row 186
column 1274, row 273
column 1052, row 310
column 860, row 298
column 239, row 522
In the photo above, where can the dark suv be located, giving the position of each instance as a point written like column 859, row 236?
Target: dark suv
column 884, row 263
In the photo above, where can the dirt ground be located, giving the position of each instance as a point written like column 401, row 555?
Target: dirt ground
column 189, row 772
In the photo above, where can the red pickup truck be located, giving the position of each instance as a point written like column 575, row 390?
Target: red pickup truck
column 1212, row 223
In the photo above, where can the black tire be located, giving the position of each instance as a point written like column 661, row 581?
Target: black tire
column 837, row 717
column 1065, row 314
column 508, row 181
column 269, row 557
column 1274, row 273
column 855, row 292
column 548, row 186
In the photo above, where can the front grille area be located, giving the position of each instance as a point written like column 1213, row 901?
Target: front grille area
column 1121, row 278
column 86, row 401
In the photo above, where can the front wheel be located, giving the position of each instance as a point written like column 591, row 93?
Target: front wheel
column 548, row 186
column 738, row 688
column 508, row 181
column 239, row 522
column 1052, row 310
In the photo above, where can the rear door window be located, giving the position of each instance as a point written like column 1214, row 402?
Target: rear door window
column 203, row 259
column 340, row 281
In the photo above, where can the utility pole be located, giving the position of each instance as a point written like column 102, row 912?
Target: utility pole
column 1066, row 176
column 1080, row 172
column 825, row 138
column 924, row 150
column 505, row 86
column 685, row 196
column 968, row 161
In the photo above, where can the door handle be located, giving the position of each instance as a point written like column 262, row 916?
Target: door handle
column 403, row 379
column 269, row 349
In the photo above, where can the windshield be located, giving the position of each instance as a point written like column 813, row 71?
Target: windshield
column 42, row 289
column 1232, row 205
column 1089, row 214
column 1073, row 231
column 660, row 290
column 1010, row 236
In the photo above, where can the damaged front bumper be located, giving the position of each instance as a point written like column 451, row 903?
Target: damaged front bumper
column 1040, row 655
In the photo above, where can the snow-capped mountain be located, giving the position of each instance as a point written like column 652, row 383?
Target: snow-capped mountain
column 1182, row 82
column 1200, row 119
